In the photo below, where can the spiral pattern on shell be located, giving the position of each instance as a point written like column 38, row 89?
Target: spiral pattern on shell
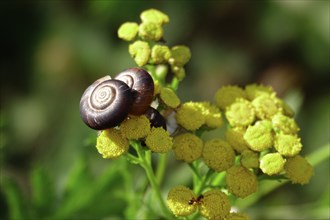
column 105, row 103
column 142, row 86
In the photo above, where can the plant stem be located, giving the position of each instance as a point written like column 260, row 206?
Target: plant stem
column 146, row 165
column 161, row 166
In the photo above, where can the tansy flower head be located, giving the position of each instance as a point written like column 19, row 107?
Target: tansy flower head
column 218, row 155
column 189, row 116
column 282, row 123
column 178, row 201
column 249, row 159
column 211, row 113
column 272, row 163
column 140, row 51
column 160, row 54
column 287, row 110
column 150, row 31
column 226, row 95
column 180, row 55
column 111, row 144
column 187, row 147
column 298, row 170
column 135, row 127
column 240, row 181
column 240, row 113
column 266, row 106
column 128, row 31
column 287, row 144
column 154, row 16
column 159, row 140
column 169, row 97
column 254, row 90
column 237, row 216
column 234, row 137
column 259, row 136
column 214, row 205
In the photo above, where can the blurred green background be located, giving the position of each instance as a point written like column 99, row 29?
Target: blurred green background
column 52, row 50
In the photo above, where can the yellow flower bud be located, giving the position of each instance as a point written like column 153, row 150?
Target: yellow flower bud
column 179, row 72
column 250, row 159
column 151, row 31
column 218, row 155
column 234, row 137
column 140, row 51
column 214, row 205
column 253, row 90
column 211, row 113
column 240, row 181
column 266, row 106
column 128, row 31
column 272, row 163
column 259, row 136
column 159, row 140
column 287, row 144
column 169, row 97
column 227, row 95
column 298, row 170
column 154, row 16
column 111, row 144
column 189, row 116
column 187, row 147
column 180, row 55
column 160, row 54
column 240, row 113
column 178, row 201
column 282, row 123
column 135, row 127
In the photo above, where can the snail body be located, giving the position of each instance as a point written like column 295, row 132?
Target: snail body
column 142, row 86
column 105, row 103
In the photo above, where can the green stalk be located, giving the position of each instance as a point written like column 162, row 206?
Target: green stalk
column 161, row 167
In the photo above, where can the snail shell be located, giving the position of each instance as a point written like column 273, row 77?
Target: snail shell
column 105, row 103
column 142, row 86
column 155, row 118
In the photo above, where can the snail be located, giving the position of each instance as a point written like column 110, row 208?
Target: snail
column 105, row 103
column 155, row 118
column 142, row 86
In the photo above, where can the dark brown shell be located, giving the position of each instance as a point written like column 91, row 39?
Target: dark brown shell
column 105, row 103
column 142, row 86
column 155, row 118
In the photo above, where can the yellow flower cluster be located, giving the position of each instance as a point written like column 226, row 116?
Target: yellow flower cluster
column 213, row 204
column 260, row 124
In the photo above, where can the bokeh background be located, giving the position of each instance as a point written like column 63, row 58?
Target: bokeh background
column 52, row 50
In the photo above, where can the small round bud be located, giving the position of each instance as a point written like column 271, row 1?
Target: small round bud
column 218, row 155
column 151, row 31
column 249, row 159
column 154, row 16
column 111, row 144
column 160, row 54
column 180, row 55
column 253, row 90
column 272, row 163
column 159, row 140
column 227, row 95
column 178, row 201
column 298, row 170
column 240, row 181
column 287, row 144
column 234, row 137
column 259, row 136
column 266, row 106
column 128, row 31
column 240, row 113
column 211, row 113
column 187, row 147
column 169, row 97
column 189, row 116
column 135, row 127
column 140, row 51
column 282, row 123
column 214, row 205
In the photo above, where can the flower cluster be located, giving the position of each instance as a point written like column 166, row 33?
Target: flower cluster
column 261, row 136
